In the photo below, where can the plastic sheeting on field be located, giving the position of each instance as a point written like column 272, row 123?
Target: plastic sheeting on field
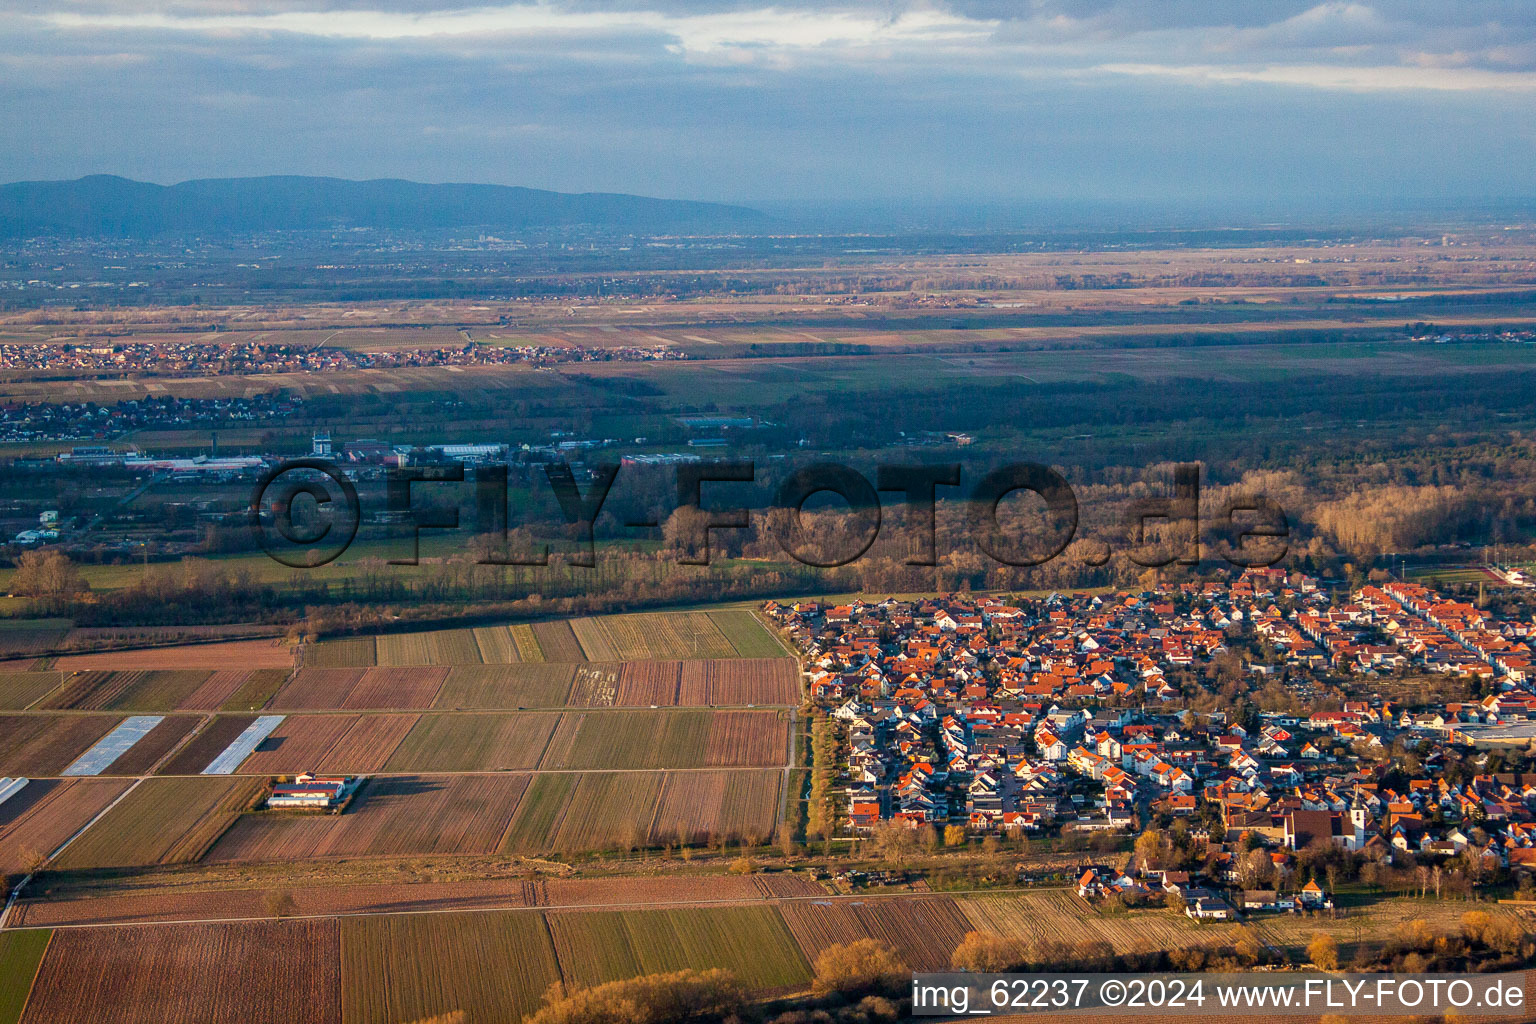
column 244, row 745
column 113, row 745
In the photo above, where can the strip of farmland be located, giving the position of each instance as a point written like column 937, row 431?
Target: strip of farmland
column 212, row 657
column 167, row 905
column 113, row 745
column 280, row 972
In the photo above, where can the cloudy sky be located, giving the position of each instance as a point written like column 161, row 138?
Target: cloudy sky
column 1223, row 101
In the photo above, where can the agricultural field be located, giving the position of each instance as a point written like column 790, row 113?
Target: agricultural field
column 20, row 638
column 473, row 742
column 393, row 816
column 351, row 652
column 671, row 738
column 740, row 681
column 316, row 689
column 751, row 942
column 696, row 806
column 747, row 634
column 664, row 635
column 163, row 821
column 325, row 689
column 607, row 810
column 21, row 952
column 277, row 972
column 92, row 905
column 234, row 690
column 328, row 743
column 923, row 932
column 572, row 812
column 438, row 647
column 155, row 744
column 35, row 745
column 259, row 653
column 605, row 638
column 19, row 690
column 492, row 966
column 556, row 641
column 34, row 822
column 1050, row 917
column 208, row 744
column 128, row 690
column 506, row 687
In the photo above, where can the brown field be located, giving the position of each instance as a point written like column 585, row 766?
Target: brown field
column 262, row 653
column 696, row 806
column 396, row 688
column 473, row 742
column 22, row 689
column 46, row 813
column 216, row 689
column 316, row 689
column 741, row 681
column 505, row 687
column 557, row 642
column 162, row 821
column 351, row 652
column 206, row 745
column 494, row 967
column 923, row 932
column 154, row 904
column 130, row 690
column 673, row 738
column 278, row 972
column 164, row 905
column 159, row 741
column 328, row 743
column 34, row 745
column 395, row 816
column 746, row 739
column 643, row 683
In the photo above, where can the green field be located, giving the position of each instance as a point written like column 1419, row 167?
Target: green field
column 751, row 942
column 163, row 821
column 20, row 953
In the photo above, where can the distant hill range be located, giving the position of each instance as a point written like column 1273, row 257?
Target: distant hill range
column 107, row 206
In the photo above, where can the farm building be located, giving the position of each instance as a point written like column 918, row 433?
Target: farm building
column 313, row 792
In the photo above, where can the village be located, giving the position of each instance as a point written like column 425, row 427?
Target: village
column 1260, row 738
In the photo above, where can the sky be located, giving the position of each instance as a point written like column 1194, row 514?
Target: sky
column 1217, row 102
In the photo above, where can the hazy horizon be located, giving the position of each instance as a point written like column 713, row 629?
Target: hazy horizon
column 1200, row 104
